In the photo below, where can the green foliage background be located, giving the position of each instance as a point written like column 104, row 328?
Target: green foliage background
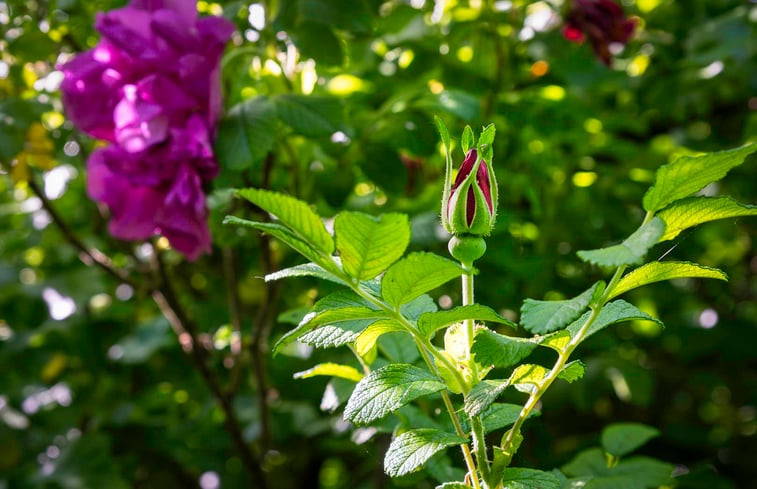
column 107, row 398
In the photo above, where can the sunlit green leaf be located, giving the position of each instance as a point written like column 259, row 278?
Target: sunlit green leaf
column 545, row 316
column 527, row 377
column 692, row 211
column 410, row 450
column 658, row 271
column 631, row 251
column 388, row 389
column 283, row 234
column 293, row 213
column 371, row 334
column 304, row 270
column 468, row 140
column 368, row 245
column 572, row 371
column 612, row 313
column 688, row 174
column 417, row 274
column 332, row 370
column 430, row 323
column 335, row 320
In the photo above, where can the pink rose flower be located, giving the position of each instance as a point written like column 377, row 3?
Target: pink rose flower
column 151, row 88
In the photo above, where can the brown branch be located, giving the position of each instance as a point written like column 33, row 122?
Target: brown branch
column 166, row 299
column 264, row 322
column 229, row 256
column 87, row 254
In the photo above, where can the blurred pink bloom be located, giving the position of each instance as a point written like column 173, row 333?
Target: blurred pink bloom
column 151, row 87
column 602, row 21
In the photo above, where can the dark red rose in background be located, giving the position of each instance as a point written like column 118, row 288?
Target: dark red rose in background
column 602, row 21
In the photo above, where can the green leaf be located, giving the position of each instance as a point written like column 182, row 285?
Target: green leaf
column 368, row 245
column 486, row 143
column 557, row 340
column 527, row 377
column 430, row 323
column 572, row 371
column 453, row 485
column 409, row 451
column 331, row 369
column 693, row 211
column 498, row 416
column 658, row 271
column 370, row 335
column 417, row 274
column 443, row 132
column 246, row 133
column 483, row 395
column 309, row 115
column 318, row 41
column 304, row 270
column 515, row 478
column 282, row 233
column 398, row 348
column 689, row 174
column 498, row 350
column 387, row 389
column 541, row 317
column 623, row 438
column 612, row 313
column 468, row 140
column 633, row 473
column 340, row 317
column 294, row 214
column 629, row 252
column 336, row 333
column 418, row 307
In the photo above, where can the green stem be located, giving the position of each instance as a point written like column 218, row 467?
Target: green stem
column 479, row 446
column 477, row 427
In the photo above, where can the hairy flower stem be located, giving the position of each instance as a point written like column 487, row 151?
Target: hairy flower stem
column 477, row 427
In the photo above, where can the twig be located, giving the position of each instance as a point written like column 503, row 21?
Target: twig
column 264, row 320
column 170, row 306
column 87, row 254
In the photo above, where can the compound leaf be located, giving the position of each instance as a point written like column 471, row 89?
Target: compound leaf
column 689, row 174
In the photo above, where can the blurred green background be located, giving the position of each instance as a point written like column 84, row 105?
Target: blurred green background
column 332, row 102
